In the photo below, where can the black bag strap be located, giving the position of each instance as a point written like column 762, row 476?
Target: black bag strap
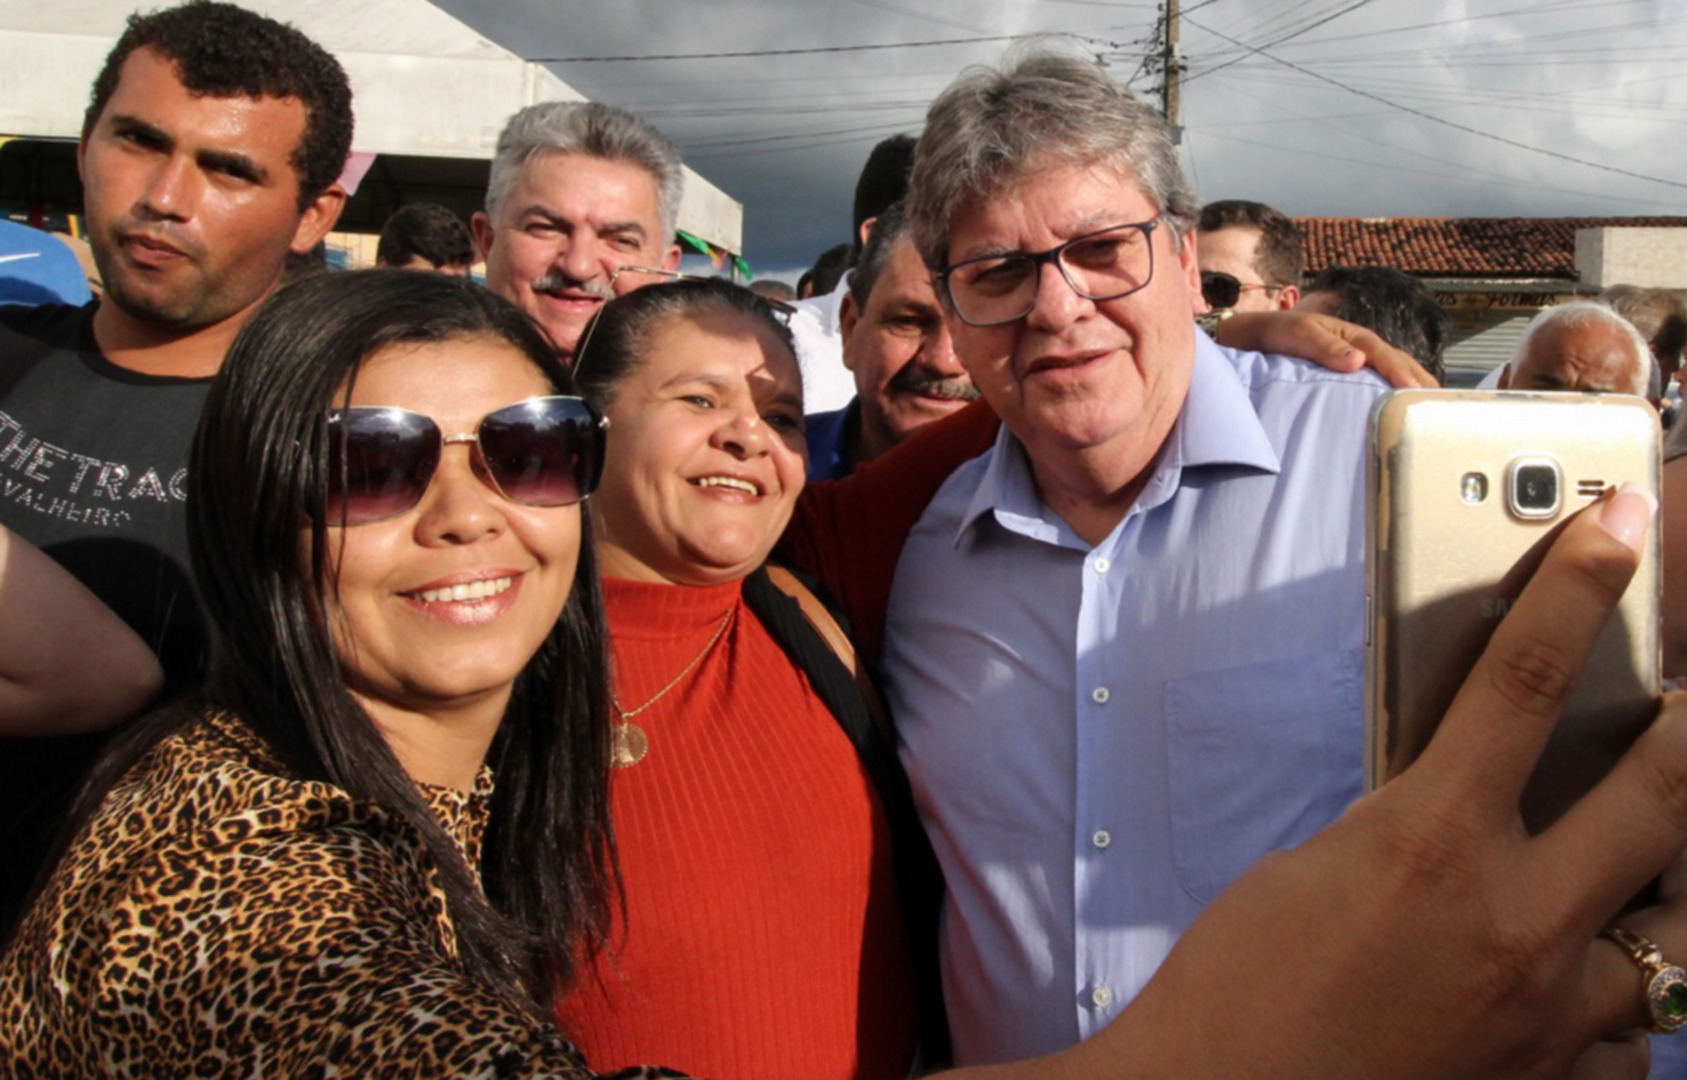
column 843, row 685
column 823, row 620
column 813, row 633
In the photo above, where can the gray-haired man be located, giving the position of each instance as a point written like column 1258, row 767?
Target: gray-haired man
column 1123, row 646
column 1582, row 345
column 578, row 190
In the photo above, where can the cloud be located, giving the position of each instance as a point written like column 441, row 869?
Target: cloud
column 1591, row 79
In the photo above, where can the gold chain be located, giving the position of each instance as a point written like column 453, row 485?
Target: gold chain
column 628, row 714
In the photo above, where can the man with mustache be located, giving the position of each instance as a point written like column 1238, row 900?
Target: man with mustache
column 211, row 149
column 578, row 192
column 897, row 346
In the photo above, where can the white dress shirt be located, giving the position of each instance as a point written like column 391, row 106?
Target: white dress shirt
column 827, row 385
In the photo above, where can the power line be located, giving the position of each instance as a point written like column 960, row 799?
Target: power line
column 1428, row 96
column 1533, row 10
column 1556, row 7
column 1355, row 6
column 820, row 141
column 787, row 137
column 1530, row 50
column 1469, row 172
column 1440, row 120
column 1267, row 22
column 937, row 78
column 1469, row 177
column 923, row 16
column 1583, row 46
column 788, row 52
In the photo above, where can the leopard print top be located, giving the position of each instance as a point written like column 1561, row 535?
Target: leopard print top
column 217, row 917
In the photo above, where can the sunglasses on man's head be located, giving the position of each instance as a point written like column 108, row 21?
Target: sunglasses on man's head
column 545, row 451
column 1221, row 290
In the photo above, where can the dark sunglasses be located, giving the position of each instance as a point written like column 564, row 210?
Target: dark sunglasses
column 545, row 451
column 1221, row 290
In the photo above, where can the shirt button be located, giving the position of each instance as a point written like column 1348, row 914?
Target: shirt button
column 1103, row 564
column 1100, row 695
column 1101, row 997
column 1102, row 838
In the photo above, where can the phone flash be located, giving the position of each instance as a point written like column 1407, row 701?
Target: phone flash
column 1473, row 488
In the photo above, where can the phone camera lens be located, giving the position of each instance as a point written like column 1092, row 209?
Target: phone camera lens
column 1535, row 489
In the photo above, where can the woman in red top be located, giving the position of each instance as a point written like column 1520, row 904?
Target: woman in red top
column 762, row 934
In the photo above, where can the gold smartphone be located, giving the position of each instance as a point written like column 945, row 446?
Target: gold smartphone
column 1467, row 489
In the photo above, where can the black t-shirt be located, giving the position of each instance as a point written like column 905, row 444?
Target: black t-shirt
column 93, row 470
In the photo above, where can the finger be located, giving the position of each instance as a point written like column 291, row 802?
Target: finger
column 1626, row 1058
column 1492, row 736
column 1316, row 338
column 1330, row 342
column 1326, row 341
column 1629, row 828
column 1672, row 884
column 1399, row 367
column 1617, row 1001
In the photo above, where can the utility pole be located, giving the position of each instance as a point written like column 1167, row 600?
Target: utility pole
column 1164, row 60
column 1171, row 66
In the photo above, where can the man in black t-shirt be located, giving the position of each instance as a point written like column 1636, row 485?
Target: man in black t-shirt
column 211, row 149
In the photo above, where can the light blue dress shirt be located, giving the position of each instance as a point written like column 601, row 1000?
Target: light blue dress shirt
column 1101, row 739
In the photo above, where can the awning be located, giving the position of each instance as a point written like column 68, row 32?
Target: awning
column 425, row 85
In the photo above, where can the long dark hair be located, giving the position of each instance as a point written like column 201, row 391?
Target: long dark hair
column 257, row 484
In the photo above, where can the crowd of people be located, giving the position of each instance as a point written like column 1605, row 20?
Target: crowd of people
column 401, row 675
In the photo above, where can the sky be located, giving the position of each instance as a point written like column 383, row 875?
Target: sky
column 1384, row 108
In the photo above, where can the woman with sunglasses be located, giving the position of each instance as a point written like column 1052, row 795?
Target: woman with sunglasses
column 310, row 862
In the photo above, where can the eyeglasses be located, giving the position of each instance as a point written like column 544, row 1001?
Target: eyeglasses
column 1221, row 290
column 1103, row 265
column 545, row 451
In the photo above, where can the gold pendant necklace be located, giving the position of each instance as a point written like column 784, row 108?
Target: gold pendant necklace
column 628, row 743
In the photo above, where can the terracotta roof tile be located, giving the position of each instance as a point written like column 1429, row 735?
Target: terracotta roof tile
column 1459, row 247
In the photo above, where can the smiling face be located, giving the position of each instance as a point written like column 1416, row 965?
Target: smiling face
column 568, row 223
column 899, row 349
column 706, row 453
column 442, row 606
column 192, row 200
column 1088, row 386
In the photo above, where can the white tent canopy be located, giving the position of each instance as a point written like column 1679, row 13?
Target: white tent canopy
column 424, row 84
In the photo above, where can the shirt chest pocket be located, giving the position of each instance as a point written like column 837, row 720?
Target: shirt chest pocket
column 1259, row 758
